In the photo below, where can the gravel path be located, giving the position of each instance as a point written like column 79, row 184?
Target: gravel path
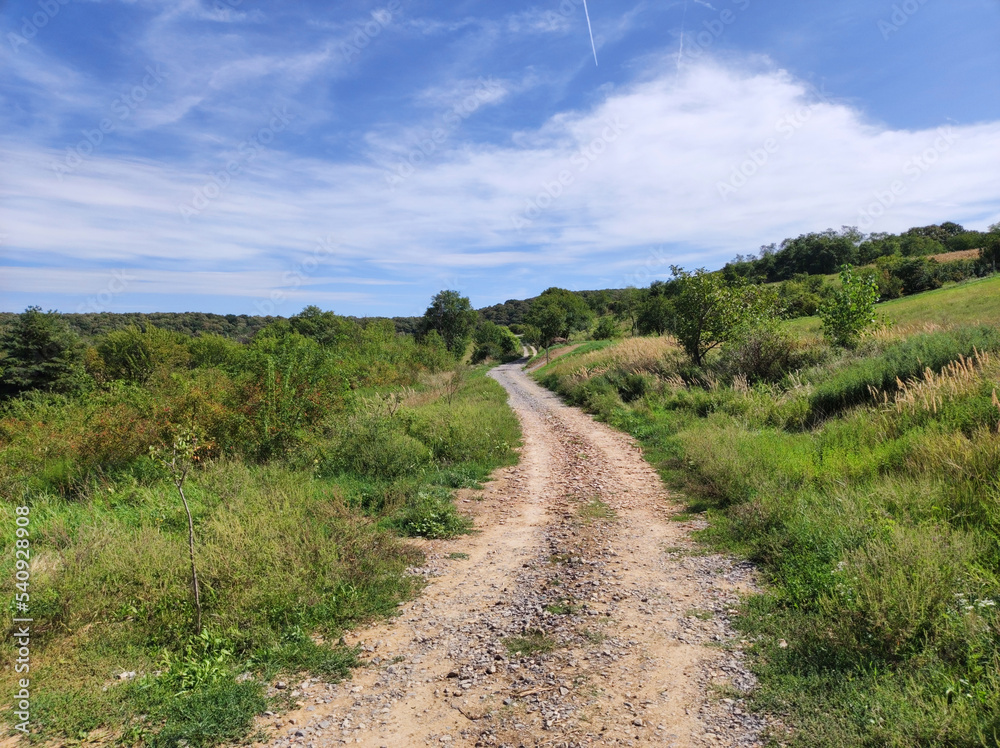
column 579, row 614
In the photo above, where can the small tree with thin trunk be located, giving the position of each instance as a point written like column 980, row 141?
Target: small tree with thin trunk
column 181, row 458
column 707, row 311
column 850, row 311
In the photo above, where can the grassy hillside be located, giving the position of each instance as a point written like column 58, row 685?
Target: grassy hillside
column 970, row 303
column 312, row 462
column 865, row 486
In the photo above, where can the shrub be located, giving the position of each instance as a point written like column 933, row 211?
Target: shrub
column 894, row 591
column 762, row 354
column 495, row 342
column 133, row 355
column 431, row 514
column 607, row 329
column 850, row 310
column 215, row 351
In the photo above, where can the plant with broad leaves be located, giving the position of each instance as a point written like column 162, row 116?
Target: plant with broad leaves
column 850, row 311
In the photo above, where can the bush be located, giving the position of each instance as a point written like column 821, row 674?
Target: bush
column 762, row 354
column 377, row 451
column 893, row 592
column 431, row 514
column 850, row 310
column 133, row 355
column 607, row 329
column 215, row 351
column 495, row 342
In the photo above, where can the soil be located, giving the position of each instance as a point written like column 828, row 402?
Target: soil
column 580, row 613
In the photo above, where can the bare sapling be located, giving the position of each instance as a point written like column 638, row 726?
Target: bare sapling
column 183, row 454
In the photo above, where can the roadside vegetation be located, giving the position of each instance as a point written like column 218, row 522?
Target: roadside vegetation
column 856, row 462
column 302, row 458
column 215, row 500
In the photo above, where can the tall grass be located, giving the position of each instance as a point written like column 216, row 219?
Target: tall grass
column 316, row 462
column 874, row 519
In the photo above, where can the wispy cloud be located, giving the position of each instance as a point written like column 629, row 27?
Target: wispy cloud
column 475, row 153
column 658, row 184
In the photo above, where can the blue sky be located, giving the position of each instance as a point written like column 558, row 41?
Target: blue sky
column 243, row 156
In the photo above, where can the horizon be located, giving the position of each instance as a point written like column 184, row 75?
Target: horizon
column 238, row 158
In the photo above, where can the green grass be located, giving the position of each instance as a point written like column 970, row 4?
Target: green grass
column 875, row 527
column 563, row 608
column 532, row 643
column 701, row 615
column 975, row 302
column 596, row 510
column 579, row 350
column 289, row 553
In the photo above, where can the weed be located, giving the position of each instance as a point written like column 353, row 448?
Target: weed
column 531, row 643
column 563, row 608
column 701, row 615
column 596, row 510
column 593, row 636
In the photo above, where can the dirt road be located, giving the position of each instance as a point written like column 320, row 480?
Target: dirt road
column 579, row 614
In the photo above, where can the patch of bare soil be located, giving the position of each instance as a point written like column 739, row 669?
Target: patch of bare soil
column 579, row 614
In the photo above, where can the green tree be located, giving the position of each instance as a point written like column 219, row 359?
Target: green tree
column 850, row 310
column 557, row 313
column 989, row 254
column 134, row 355
column 550, row 319
column 709, row 311
column 326, row 328
column 496, row 342
column 627, row 306
column 40, row 352
column 452, row 315
column 656, row 310
column 607, row 329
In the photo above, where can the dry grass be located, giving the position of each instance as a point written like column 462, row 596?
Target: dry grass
column 889, row 333
column 965, row 254
column 633, row 355
column 932, row 390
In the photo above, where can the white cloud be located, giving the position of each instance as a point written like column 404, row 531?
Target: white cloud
column 539, row 21
column 665, row 147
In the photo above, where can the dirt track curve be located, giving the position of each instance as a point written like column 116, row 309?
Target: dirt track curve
column 575, row 553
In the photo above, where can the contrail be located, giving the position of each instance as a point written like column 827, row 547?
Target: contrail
column 680, row 51
column 591, row 30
